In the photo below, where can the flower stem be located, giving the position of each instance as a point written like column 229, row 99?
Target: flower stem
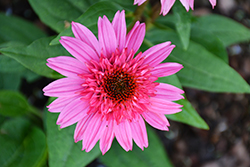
column 138, row 14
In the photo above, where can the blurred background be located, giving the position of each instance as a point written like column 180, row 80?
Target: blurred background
column 227, row 143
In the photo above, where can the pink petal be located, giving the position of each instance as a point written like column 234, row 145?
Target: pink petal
column 63, row 87
column 80, row 50
column 166, row 5
column 67, row 66
column 163, row 106
column 93, row 133
column 191, row 4
column 120, row 29
column 166, row 69
column 213, row 3
column 107, row 137
column 158, row 121
column 156, row 54
column 81, row 127
column 84, row 34
column 135, row 37
column 72, row 113
column 170, row 89
column 58, row 104
column 139, row 132
column 107, row 37
column 185, row 3
column 123, row 135
column 168, row 92
column 139, row 2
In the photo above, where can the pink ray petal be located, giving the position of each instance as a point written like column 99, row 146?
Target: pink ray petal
column 120, row 29
column 80, row 50
column 163, row 106
column 135, row 37
column 213, row 3
column 158, row 121
column 191, row 4
column 72, row 113
column 166, row 69
column 156, row 54
column 63, row 87
column 67, row 66
column 166, row 5
column 123, row 135
column 94, row 131
column 107, row 137
column 139, row 132
column 84, row 34
column 107, row 37
column 186, row 4
column 168, row 92
column 139, row 2
column 81, row 127
column 58, row 104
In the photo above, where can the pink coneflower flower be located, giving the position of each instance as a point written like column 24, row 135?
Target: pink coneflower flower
column 166, row 5
column 108, row 91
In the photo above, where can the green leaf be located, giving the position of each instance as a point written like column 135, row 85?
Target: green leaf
column 9, row 65
column 63, row 151
column 153, row 156
column 21, row 144
column 226, row 29
column 2, row 119
column 10, row 81
column 182, row 23
column 13, row 28
column 57, row 14
column 11, row 73
column 90, row 17
column 34, row 56
column 188, row 115
column 209, row 41
column 202, row 69
column 13, row 103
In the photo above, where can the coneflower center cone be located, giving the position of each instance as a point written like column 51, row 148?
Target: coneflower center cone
column 119, row 85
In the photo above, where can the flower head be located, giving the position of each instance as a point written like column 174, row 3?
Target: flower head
column 108, row 91
column 166, row 5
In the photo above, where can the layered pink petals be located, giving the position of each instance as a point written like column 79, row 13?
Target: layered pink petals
column 186, row 4
column 158, row 121
column 156, row 54
column 135, row 37
column 107, row 137
column 139, row 132
column 163, row 106
column 166, row 5
column 109, row 91
column 85, row 35
column 79, row 49
column 59, row 104
column 93, row 133
column 123, row 135
column 106, row 36
column 120, row 29
column 168, row 92
column 64, row 87
column 67, row 66
column 72, row 112
column 166, row 69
